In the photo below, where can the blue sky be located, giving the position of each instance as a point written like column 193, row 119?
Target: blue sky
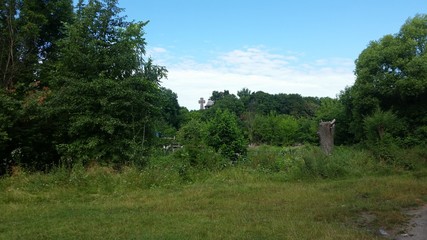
column 275, row 46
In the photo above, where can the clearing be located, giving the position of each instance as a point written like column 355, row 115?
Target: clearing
column 231, row 204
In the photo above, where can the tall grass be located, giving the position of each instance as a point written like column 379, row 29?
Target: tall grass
column 235, row 203
column 308, row 162
column 275, row 193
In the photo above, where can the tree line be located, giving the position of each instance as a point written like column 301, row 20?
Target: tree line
column 78, row 87
column 387, row 103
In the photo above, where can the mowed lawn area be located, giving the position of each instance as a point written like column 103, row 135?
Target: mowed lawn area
column 235, row 203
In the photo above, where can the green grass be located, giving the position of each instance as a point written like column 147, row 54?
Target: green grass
column 235, row 203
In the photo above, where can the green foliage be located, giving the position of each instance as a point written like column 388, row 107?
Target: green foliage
column 288, row 129
column 225, row 136
column 9, row 112
column 29, row 30
column 113, row 91
column 391, row 76
column 389, row 153
column 101, row 44
column 330, row 109
column 8, row 36
column 193, row 132
column 111, row 123
column 196, row 151
column 34, row 133
column 317, row 164
column 384, row 131
column 244, row 96
column 216, row 95
column 289, row 104
column 261, row 102
column 286, row 160
column 79, row 90
column 309, row 162
column 307, row 131
column 420, row 136
column 170, row 108
column 278, row 119
column 275, row 129
column 228, row 102
column 86, row 93
column 219, row 133
column 381, row 125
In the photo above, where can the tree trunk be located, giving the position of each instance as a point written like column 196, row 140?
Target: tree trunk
column 326, row 134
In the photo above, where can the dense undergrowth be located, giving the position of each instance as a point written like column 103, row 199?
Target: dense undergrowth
column 287, row 163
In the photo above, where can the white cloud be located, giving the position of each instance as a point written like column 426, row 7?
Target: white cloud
column 258, row 70
column 156, row 50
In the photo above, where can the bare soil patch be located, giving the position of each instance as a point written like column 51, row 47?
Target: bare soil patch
column 417, row 226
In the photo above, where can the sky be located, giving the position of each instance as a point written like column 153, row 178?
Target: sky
column 277, row 46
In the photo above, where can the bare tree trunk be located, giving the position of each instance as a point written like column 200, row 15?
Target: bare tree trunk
column 326, row 133
column 9, row 49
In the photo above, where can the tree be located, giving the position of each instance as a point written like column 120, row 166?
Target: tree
column 293, row 104
column 9, row 113
column 225, row 136
column 219, row 95
column 100, row 43
column 392, row 76
column 106, row 98
column 244, row 96
column 8, row 42
column 229, row 102
column 275, row 129
column 307, row 128
column 382, row 124
column 288, row 104
column 29, row 32
column 170, row 108
column 261, row 102
column 79, row 82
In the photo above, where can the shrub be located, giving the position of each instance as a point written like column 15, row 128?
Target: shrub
column 196, row 152
column 382, row 126
column 274, row 129
column 225, row 136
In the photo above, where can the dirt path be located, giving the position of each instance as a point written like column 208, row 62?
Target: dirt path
column 417, row 228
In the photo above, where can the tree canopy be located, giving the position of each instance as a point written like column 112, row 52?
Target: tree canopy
column 391, row 75
column 78, row 84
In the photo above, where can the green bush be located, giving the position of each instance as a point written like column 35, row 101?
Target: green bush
column 201, row 157
column 8, row 114
column 225, row 136
column 278, row 130
column 382, row 126
column 196, row 152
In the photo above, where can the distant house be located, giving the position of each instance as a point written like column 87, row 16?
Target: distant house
column 209, row 104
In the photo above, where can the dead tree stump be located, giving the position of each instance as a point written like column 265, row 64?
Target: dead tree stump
column 326, row 135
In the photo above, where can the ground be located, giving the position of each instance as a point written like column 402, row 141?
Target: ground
column 417, row 227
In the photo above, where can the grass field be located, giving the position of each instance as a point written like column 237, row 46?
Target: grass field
column 235, row 203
